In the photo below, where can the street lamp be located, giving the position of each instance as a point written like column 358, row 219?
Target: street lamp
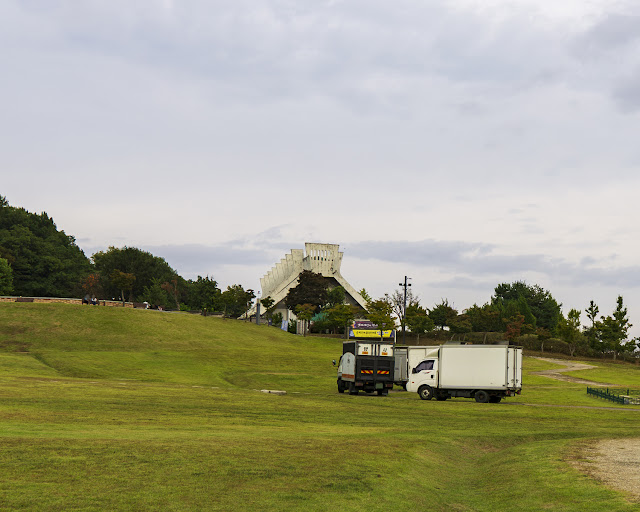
column 404, row 307
column 258, row 308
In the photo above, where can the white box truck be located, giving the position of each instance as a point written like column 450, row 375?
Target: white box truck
column 484, row 372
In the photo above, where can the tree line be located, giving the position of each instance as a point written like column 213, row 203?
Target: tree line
column 525, row 313
column 517, row 312
column 38, row 260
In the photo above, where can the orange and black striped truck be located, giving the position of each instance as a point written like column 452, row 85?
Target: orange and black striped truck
column 366, row 365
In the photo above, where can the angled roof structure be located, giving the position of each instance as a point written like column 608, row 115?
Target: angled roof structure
column 324, row 259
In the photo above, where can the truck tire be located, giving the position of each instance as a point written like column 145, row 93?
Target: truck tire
column 353, row 390
column 482, row 397
column 425, row 392
column 495, row 399
column 340, row 386
column 383, row 392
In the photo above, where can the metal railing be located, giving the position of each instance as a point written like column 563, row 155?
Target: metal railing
column 616, row 396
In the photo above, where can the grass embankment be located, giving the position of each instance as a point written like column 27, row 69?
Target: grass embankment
column 113, row 409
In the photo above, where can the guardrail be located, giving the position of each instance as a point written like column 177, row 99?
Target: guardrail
column 606, row 394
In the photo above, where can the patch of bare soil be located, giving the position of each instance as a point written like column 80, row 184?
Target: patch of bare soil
column 569, row 366
column 614, row 462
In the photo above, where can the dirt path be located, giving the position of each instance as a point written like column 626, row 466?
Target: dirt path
column 614, row 462
column 558, row 373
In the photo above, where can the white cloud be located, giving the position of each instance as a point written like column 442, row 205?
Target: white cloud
column 504, row 128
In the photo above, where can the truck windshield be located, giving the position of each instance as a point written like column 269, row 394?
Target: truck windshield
column 424, row 365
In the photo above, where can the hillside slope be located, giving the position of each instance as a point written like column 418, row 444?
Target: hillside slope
column 144, row 345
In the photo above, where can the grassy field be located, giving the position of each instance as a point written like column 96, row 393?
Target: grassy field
column 114, row 409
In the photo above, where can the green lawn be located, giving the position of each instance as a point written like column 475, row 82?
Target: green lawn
column 113, row 409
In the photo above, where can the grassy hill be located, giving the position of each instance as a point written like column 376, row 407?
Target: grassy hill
column 116, row 409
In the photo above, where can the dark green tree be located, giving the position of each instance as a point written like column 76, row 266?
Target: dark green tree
column 486, row 319
column 614, row 330
column 124, row 281
column 236, row 301
column 336, row 296
column 6, row 276
column 591, row 331
column 204, row 294
column 312, row 289
column 156, row 295
column 142, row 264
column 443, row 314
column 519, row 306
column 418, row 320
column 541, row 303
column 44, row 262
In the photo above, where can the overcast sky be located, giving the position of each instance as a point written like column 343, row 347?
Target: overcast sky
column 460, row 143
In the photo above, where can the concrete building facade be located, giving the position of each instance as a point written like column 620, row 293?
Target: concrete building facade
column 324, row 259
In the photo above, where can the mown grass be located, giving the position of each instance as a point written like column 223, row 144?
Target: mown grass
column 110, row 409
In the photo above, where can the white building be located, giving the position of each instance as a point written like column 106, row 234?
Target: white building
column 324, row 259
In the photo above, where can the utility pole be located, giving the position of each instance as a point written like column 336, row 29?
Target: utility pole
column 404, row 307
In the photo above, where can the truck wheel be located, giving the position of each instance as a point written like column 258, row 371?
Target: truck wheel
column 425, row 392
column 482, row 397
column 495, row 399
column 340, row 386
column 383, row 392
column 441, row 398
column 353, row 390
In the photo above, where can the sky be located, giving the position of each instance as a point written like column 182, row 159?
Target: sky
column 460, row 143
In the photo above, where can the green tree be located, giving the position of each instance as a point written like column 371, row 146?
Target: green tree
column 591, row 332
column 124, row 281
column 519, row 306
column 311, row 289
column 236, row 301
column 367, row 298
column 45, row 262
column 171, row 289
column 156, row 295
column 540, row 302
column 6, row 276
column 341, row 315
column 443, row 314
column 569, row 331
column 276, row 320
column 486, row 318
column 204, row 294
column 460, row 323
column 418, row 320
column 380, row 312
column 269, row 305
column 614, row 330
column 305, row 313
column 142, row 264
column 336, row 296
